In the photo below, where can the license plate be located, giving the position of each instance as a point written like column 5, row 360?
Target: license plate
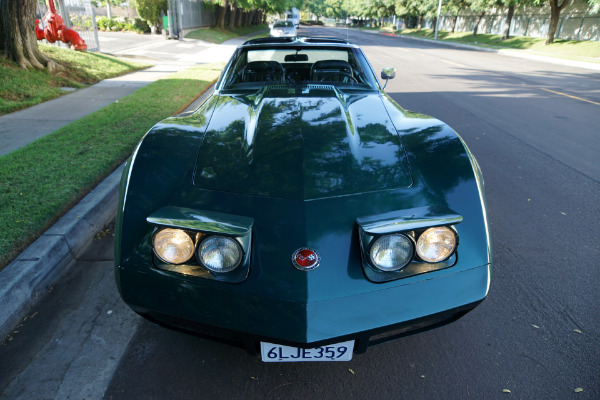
column 334, row 352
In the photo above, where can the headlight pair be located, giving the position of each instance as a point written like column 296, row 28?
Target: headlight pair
column 392, row 252
column 215, row 253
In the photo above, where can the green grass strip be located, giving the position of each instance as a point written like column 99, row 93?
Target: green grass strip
column 42, row 181
column 572, row 49
column 20, row 88
column 216, row 35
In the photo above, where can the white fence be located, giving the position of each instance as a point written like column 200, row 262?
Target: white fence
column 191, row 14
column 573, row 26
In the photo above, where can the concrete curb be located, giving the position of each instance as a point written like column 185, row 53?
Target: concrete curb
column 23, row 281
column 40, row 266
column 510, row 53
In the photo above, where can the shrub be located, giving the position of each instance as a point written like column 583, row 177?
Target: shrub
column 118, row 24
column 150, row 10
column 141, row 26
column 122, row 24
column 130, row 25
column 103, row 23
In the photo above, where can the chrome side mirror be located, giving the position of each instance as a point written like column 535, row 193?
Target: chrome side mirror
column 387, row 74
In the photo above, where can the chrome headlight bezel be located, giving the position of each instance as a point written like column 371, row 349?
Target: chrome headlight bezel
column 201, row 225
column 410, row 223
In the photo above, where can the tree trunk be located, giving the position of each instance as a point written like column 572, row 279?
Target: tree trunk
column 232, row 16
column 478, row 22
column 18, row 41
column 221, row 14
column 240, row 16
column 218, row 20
column 555, row 10
column 227, row 16
column 420, row 23
column 454, row 19
column 509, row 17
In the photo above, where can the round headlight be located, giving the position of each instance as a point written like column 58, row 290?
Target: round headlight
column 173, row 246
column 220, row 253
column 391, row 252
column 436, row 244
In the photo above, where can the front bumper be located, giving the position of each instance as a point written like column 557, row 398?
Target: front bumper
column 226, row 313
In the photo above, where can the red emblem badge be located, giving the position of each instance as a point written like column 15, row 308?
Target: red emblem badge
column 306, row 259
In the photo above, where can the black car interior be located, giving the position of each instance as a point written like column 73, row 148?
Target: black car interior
column 320, row 71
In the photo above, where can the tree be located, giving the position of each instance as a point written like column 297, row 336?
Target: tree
column 18, row 41
column 454, row 8
column 416, row 8
column 232, row 17
column 480, row 7
column 509, row 16
column 245, row 12
column 335, row 8
column 150, row 10
column 555, row 8
column 314, row 7
column 224, row 4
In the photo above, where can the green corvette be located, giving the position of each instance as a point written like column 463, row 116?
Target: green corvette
column 300, row 213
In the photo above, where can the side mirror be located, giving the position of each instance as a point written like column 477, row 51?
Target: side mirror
column 388, row 73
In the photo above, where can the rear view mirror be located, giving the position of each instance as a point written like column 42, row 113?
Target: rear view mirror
column 296, row 57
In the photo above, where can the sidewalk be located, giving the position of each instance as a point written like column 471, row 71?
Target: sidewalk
column 23, row 127
column 33, row 272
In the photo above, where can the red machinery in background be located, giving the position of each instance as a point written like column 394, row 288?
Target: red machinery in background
column 56, row 30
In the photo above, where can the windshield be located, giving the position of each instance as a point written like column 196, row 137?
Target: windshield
column 283, row 24
column 341, row 67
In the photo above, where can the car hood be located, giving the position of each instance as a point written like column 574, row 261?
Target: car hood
column 301, row 143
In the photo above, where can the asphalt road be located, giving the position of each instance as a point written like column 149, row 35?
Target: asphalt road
column 534, row 128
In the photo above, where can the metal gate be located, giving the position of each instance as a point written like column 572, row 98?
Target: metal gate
column 78, row 15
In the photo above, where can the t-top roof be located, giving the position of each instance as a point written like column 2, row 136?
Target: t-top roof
column 297, row 40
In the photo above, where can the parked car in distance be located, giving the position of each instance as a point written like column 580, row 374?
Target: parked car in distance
column 283, row 29
column 300, row 213
column 294, row 16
